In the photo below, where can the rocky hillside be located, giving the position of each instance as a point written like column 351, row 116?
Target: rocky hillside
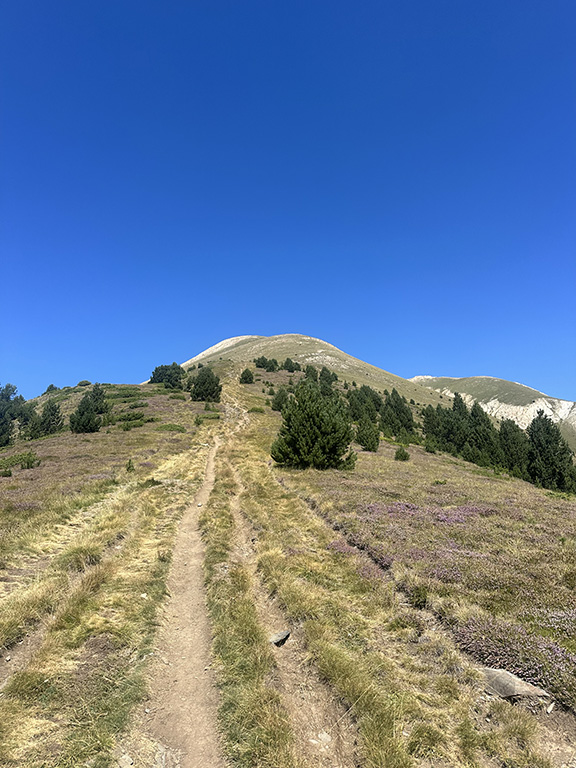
column 507, row 400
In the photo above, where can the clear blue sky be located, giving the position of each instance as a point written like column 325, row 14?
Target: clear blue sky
column 397, row 178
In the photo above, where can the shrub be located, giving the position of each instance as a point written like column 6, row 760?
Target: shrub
column 401, row 454
column 246, row 377
column 316, row 431
column 198, row 420
column 206, row 386
column 29, row 460
column 51, row 388
column 5, row 473
column 169, row 375
column 84, row 383
column 170, row 428
column 129, row 466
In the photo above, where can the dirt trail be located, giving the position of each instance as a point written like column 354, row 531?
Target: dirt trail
column 325, row 734
column 183, row 703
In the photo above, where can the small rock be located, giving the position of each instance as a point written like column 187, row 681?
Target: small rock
column 199, row 505
column 550, row 707
column 280, row 638
column 8, row 658
column 125, row 761
column 324, row 737
column 144, row 596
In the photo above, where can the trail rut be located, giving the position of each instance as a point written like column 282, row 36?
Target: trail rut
column 182, row 712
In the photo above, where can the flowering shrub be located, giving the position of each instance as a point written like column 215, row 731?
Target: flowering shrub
column 506, row 645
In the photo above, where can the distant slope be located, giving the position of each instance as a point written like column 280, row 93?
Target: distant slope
column 507, row 400
column 308, row 350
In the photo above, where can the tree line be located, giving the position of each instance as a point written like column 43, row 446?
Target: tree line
column 539, row 455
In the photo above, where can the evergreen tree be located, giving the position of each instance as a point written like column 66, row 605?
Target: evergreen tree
column 368, row 434
column 12, row 407
column 85, row 418
column 206, row 386
column 483, row 436
column 290, row 366
column 271, row 365
column 280, row 400
column 396, row 415
column 311, row 373
column 550, row 459
column 170, row 375
column 247, row 377
column 515, row 448
column 99, row 399
column 316, row 431
column 51, row 420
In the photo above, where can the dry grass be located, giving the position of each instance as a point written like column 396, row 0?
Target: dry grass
column 412, row 693
column 87, row 567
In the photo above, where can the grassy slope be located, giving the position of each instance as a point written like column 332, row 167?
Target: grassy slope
column 484, row 388
column 85, row 549
column 464, row 544
column 308, row 350
column 412, row 692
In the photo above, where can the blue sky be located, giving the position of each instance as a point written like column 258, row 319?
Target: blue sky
column 396, row 178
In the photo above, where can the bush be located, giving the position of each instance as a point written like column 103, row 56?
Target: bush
column 247, row 377
column 206, row 386
column 169, row 375
column 29, row 460
column 170, row 428
column 84, row 383
column 401, row 454
column 316, row 431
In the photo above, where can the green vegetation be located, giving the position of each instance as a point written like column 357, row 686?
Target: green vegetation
column 206, row 386
column 316, row 431
column 172, row 376
column 246, row 377
column 87, row 417
column 540, row 455
column 401, row 454
column 368, row 434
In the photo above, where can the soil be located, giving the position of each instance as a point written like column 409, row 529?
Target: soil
column 182, row 709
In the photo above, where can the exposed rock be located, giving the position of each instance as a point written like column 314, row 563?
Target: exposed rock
column 280, row 638
column 508, row 686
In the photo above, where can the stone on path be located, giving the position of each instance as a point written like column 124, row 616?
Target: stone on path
column 280, row 638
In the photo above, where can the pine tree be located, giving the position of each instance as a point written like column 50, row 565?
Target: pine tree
column 280, row 400
column 170, row 375
column 550, row 459
column 515, row 448
column 368, row 434
column 247, row 377
column 85, row 418
column 99, row 399
column 206, row 387
column 51, row 420
column 311, row 373
column 316, row 431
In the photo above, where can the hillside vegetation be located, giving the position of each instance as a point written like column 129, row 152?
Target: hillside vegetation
column 398, row 580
